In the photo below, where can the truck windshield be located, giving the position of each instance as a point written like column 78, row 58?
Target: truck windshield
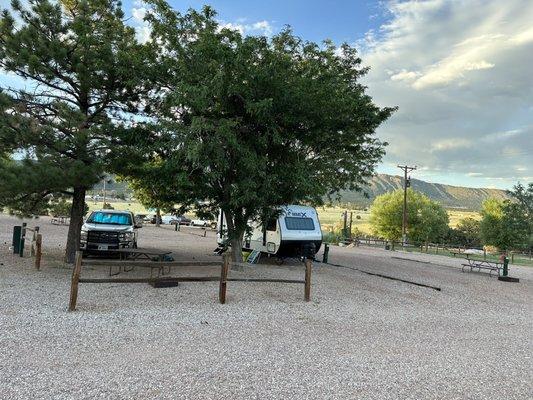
column 299, row 224
column 100, row 217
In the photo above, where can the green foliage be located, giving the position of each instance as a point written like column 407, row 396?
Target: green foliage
column 520, row 213
column 508, row 224
column 492, row 227
column 466, row 233
column 250, row 123
column 84, row 74
column 427, row 220
column 149, row 184
column 61, row 207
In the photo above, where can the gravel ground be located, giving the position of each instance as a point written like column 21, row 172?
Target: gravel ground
column 361, row 337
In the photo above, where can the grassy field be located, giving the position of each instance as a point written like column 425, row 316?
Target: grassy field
column 136, row 208
column 331, row 218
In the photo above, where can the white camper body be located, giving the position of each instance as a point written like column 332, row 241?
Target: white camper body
column 285, row 236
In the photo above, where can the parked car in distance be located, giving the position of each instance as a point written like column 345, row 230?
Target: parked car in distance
column 140, row 218
column 183, row 220
column 153, row 219
column 204, row 223
column 106, row 230
column 169, row 219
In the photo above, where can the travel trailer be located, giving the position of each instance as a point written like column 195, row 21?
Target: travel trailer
column 285, row 236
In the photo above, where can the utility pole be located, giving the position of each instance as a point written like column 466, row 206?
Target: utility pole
column 406, row 184
column 105, row 181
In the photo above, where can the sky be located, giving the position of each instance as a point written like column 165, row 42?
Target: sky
column 458, row 70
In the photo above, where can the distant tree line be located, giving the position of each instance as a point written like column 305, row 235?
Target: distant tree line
column 504, row 224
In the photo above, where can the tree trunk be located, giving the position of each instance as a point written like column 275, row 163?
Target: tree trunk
column 235, row 237
column 236, row 249
column 157, row 217
column 76, row 221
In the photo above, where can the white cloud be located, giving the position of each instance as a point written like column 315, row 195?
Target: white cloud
column 404, row 75
column 460, row 73
column 138, row 13
column 143, row 33
column 450, row 144
column 256, row 28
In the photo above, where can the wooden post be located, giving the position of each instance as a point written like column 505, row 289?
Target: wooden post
column 308, row 266
column 224, row 278
column 22, row 238
column 33, row 240
column 75, row 279
column 38, row 251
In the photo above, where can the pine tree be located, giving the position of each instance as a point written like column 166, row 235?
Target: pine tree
column 82, row 72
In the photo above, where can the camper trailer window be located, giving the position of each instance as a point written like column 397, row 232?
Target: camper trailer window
column 272, row 224
column 299, row 224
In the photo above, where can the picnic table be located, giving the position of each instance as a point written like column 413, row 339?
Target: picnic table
column 60, row 220
column 482, row 264
column 141, row 254
column 147, row 254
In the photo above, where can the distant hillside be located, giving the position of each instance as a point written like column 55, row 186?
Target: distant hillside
column 447, row 195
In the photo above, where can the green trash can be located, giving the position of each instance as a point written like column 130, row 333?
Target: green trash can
column 17, row 233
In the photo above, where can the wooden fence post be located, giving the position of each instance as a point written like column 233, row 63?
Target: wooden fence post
column 38, row 251
column 224, row 278
column 308, row 266
column 75, row 279
column 22, row 239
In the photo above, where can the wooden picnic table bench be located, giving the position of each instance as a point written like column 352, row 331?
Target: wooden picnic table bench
column 147, row 254
column 141, row 254
column 483, row 264
column 60, row 220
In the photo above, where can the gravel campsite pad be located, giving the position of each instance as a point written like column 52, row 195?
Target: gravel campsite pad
column 361, row 337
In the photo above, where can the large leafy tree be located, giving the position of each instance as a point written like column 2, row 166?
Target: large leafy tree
column 427, row 219
column 467, row 233
column 508, row 224
column 522, row 211
column 82, row 69
column 255, row 123
column 149, row 184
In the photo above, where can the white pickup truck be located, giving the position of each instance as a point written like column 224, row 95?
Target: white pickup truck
column 106, row 230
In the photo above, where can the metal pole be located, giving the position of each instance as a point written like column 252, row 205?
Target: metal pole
column 345, row 229
column 103, row 207
column 404, row 219
column 351, row 220
column 505, row 266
